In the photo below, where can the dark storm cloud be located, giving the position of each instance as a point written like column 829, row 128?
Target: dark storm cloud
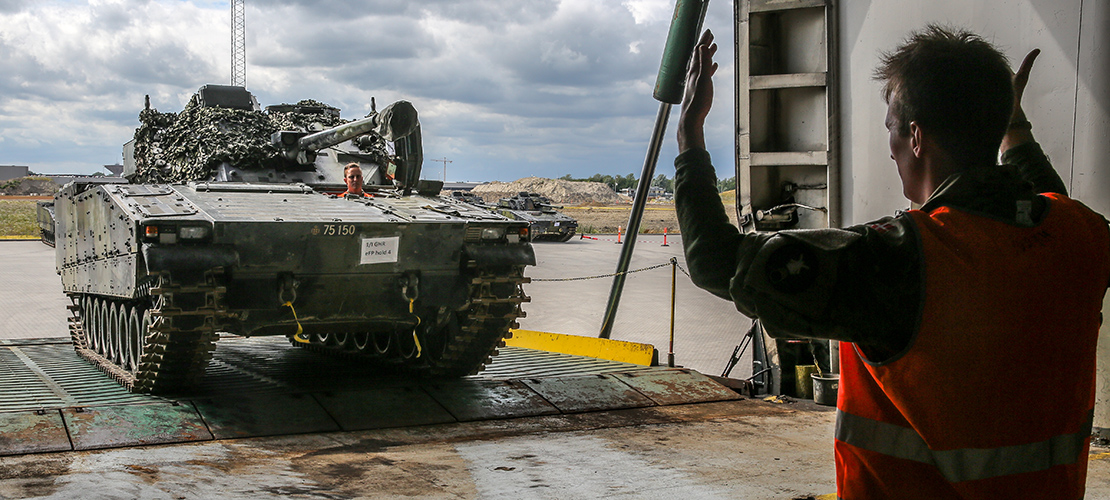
column 579, row 51
column 112, row 17
column 12, row 6
column 165, row 62
column 88, row 73
column 340, row 44
column 126, row 114
column 449, row 80
column 492, row 14
column 489, row 13
column 563, row 66
column 316, row 10
column 23, row 76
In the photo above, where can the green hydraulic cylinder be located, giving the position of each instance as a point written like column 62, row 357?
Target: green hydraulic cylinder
column 686, row 24
column 670, row 85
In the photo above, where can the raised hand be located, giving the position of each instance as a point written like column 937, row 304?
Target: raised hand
column 699, row 95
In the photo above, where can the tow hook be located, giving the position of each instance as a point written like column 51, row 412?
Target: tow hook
column 410, row 290
column 287, row 294
column 287, row 289
column 410, row 286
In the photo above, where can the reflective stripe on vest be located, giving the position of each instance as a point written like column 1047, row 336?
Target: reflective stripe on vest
column 963, row 464
column 952, row 417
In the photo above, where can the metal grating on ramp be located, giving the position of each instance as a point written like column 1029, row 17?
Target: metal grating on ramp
column 53, row 400
column 516, row 362
column 43, row 376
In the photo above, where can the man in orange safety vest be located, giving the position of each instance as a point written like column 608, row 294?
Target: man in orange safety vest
column 935, row 307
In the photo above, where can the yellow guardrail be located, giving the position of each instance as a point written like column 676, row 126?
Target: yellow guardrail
column 613, row 350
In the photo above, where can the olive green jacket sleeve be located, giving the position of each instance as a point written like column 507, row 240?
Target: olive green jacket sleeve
column 859, row 284
column 1033, row 166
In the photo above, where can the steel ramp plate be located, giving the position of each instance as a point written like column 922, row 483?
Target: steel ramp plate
column 472, row 399
column 381, row 407
column 134, row 425
column 32, row 432
column 676, row 387
column 592, row 393
column 264, row 387
column 250, row 415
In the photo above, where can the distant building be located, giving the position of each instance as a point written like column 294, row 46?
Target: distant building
column 63, row 179
column 653, row 192
column 9, row 172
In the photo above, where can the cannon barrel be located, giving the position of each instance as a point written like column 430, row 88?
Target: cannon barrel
column 332, row 136
column 394, row 122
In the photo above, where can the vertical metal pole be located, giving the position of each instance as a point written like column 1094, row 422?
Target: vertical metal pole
column 634, row 218
column 670, row 354
column 670, row 86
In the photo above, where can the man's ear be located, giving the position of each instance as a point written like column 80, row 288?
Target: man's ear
column 917, row 139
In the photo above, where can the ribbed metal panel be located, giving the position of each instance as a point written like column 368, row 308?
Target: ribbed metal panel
column 294, row 207
column 516, row 362
column 85, row 385
column 52, row 376
column 20, row 387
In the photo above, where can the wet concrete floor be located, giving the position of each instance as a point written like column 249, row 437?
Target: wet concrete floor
column 749, row 449
column 740, row 449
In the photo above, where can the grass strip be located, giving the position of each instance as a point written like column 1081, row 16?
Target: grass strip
column 18, row 220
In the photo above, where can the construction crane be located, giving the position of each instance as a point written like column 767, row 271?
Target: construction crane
column 238, row 44
column 445, row 161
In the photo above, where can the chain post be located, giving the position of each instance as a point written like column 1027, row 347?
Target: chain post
column 674, row 269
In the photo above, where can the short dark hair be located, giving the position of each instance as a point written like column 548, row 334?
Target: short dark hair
column 955, row 85
column 350, row 166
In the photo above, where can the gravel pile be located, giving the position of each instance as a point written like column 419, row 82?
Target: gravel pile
column 29, row 186
column 560, row 191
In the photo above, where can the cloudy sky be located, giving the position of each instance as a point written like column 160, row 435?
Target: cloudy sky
column 505, row 88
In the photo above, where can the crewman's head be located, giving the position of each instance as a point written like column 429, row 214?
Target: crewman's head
column 949, row 87
column 352, row 174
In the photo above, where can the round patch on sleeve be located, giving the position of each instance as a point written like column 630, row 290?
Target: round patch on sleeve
column 792, row 268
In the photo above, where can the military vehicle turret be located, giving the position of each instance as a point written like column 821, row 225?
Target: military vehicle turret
column 545, row 221
column 227, row 225
column 468, row 197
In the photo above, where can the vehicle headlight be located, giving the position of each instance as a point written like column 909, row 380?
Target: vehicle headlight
column 192, row 232
column 493, row 233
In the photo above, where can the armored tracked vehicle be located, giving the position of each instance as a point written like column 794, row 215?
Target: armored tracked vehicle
column 44, row 214
column 227, row 226
column 468, row 197
column 541, row 215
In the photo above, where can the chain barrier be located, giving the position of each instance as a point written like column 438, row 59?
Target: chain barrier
column 684, row 271
column 610, row 275
column 673, row 262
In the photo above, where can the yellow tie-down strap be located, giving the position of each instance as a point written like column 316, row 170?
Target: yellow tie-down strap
column 593, row 347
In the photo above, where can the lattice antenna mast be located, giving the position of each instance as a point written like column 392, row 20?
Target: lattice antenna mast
column 238, row 44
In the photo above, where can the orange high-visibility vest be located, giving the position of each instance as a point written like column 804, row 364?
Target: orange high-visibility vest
column 994, row 397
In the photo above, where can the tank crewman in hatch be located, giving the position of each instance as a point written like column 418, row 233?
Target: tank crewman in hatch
column 937, row 308
column 352, row 175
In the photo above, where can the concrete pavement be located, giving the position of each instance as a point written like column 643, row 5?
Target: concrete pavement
column 748, row 449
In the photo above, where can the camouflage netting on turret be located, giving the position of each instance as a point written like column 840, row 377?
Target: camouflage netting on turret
column 187, row 146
